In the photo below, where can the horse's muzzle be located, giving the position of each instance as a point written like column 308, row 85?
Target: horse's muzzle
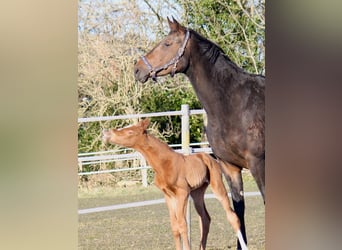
column 140, row 74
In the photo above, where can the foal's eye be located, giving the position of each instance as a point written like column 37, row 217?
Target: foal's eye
column 167, row 44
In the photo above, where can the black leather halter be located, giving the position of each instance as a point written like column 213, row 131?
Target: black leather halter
column 174, row 61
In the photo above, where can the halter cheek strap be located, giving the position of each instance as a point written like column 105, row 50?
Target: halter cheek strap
column 174, row 61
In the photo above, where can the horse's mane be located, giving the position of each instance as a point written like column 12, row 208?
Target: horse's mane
column 211, row 50
column 220, row 62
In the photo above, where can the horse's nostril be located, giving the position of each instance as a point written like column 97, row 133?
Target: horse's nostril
column 136, row 71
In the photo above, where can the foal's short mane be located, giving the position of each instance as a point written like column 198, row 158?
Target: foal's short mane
column 162, row 144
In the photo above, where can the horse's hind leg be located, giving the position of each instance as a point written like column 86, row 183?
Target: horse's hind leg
column 198, row 198
column 257, row 168
column 234, row 179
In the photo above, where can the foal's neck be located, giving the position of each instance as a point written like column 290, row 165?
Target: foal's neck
column 156, row 152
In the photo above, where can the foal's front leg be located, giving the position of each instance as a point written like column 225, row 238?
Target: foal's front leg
column 171, row 204
column 182, row 202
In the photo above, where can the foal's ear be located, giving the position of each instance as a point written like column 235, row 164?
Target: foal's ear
column 145, row 123
column 174, row 25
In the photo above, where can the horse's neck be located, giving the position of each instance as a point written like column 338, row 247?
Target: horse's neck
column 212, row 81
column 155, row 152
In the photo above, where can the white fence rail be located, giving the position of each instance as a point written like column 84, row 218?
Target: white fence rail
column 112, row 156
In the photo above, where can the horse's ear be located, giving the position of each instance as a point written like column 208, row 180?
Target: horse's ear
column 174, row 25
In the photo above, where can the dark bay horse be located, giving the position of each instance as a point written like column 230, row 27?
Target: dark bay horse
column 179, row 176
column 233, row 99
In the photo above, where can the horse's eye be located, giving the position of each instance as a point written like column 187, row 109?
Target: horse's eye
column 167, row 44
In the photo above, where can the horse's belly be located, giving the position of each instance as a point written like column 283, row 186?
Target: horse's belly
column 230, row 148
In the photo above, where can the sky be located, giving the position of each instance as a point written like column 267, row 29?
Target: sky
column 105, row 8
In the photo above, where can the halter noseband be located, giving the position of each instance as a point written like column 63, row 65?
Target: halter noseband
column 174, row 61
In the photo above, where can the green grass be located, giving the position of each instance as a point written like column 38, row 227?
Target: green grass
column 148, row 227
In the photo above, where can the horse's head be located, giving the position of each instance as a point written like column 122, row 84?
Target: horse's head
column 168, row 57
column 128, row 136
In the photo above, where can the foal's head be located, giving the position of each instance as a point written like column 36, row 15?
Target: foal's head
column 128, row 136
column 168, row 57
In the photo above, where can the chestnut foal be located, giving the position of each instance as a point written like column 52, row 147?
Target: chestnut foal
column 178, row 176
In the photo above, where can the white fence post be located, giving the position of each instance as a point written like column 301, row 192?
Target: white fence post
column 186, row 150
column 185, row 129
